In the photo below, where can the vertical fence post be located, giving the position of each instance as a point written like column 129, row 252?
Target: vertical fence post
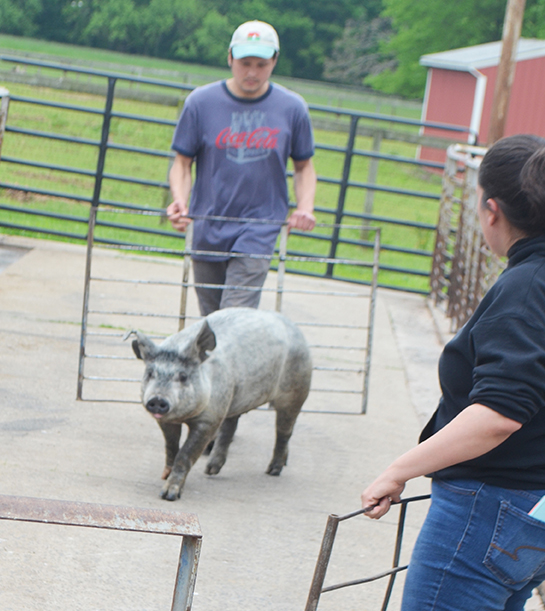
column 102, row 149
column 372, row 180
column 4, row 106
column 371, row 322
column 397, row 555
column 187, row 574
column 185, row 275
column 322, row 562
column 283, row 248
column 342, row 193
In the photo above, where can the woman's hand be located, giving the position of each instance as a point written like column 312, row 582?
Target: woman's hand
column 381, row 493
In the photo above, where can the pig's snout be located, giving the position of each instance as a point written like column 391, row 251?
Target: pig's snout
column 157, row 406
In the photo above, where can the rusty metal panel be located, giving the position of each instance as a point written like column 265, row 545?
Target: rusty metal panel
column 28, row 509
column 114, row 517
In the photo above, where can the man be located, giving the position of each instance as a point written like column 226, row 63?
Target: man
column 241, row 132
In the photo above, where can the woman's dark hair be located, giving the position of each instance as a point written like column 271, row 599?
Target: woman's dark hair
column 513, row 173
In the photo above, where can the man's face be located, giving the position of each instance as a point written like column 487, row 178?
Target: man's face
column 251, row 75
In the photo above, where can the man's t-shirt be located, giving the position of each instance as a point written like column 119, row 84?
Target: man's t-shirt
column 241, row 148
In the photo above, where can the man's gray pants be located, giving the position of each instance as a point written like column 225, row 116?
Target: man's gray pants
column 237, row 271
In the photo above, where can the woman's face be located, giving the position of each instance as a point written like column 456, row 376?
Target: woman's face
column 498, row 233
column 487, row 210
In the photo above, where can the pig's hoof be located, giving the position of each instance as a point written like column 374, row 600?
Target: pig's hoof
column 213, row 467
column 171, row 492
column 170, row 495
column 274, row 468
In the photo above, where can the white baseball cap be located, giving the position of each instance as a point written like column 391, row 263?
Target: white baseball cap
column 254, row 39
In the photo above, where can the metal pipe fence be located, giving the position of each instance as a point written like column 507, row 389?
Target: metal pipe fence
column 112, row 170
column 108, row 293
column 464, row 268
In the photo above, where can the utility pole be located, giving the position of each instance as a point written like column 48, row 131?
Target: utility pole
column 512, row 26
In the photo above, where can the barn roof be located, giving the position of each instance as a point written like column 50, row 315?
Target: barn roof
column 482, row 56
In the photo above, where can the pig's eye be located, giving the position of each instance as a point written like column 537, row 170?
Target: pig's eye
column 182, row 377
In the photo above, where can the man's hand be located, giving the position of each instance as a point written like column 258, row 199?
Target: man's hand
column 177, row 215
column 301, row 219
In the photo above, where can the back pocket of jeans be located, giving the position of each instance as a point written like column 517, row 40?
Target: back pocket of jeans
column 517, row 550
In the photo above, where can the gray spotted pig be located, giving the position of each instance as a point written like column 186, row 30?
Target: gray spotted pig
column 209, row 374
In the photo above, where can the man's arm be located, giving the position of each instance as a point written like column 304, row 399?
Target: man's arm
column 304, row 185
column 180, row 187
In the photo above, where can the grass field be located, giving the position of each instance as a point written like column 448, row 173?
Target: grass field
column 129, row 164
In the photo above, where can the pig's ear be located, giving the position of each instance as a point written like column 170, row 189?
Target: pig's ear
column 206, row 341
column 143, row 347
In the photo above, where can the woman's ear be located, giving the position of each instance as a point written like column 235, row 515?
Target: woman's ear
column 493, row 210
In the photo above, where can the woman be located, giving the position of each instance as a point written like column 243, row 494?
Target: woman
column 484, row 447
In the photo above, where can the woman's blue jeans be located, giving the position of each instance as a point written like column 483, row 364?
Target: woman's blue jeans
column 478, row 550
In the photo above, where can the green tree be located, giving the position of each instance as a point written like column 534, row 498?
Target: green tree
column 114, row 24
column 189, row 30
column 209, row 42
column 307, row 32
column 169, row 25
column 357, row 53
column 50, row 23
column 76, row 15
column 18, row 17
column 297, row 50
column 534, row 19
column 430, row 26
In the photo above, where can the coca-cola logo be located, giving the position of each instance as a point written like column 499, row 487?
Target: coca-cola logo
column 260, row 138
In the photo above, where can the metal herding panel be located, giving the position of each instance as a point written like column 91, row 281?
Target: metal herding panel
column 114, row 517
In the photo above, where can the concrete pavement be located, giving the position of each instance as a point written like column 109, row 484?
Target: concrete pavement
column 261, row 534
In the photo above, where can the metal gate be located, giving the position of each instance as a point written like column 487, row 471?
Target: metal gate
column 463, row 267
column 124, row 292
column 317, row 586
column 358, row 186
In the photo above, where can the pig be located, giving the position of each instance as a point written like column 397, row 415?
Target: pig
column 207, row 375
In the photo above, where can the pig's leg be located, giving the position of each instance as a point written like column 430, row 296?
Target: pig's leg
column 199, row 436
column 172, row 434
column 285, row 421
column 221, row 445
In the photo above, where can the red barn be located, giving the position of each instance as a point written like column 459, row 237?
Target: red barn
column 460, row 89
